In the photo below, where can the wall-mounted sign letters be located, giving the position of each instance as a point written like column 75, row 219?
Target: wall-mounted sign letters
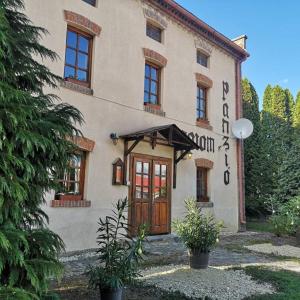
column 225, row 131
column 205, row 143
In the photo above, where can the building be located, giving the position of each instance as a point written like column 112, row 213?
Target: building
column 159, row 90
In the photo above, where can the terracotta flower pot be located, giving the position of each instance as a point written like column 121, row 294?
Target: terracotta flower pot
column 198, row 259
column 111, row 294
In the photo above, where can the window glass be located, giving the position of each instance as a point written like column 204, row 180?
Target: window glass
column 202, row 59
column 201, row 103
column 82, row 61
column 72, row 181
column 154, row 32
column 71, row 39
column 77, row 56
column 70, row 57
column 151, row 84
column 91, row 2
column 83, row 44
column 202, row 184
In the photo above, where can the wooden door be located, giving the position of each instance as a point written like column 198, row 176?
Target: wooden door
column 160, row 197
column 150, row 193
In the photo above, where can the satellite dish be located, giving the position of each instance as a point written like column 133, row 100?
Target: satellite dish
column 242, row 128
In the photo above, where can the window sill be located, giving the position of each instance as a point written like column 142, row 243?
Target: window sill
column 70, row 203
column 204, row 124
column 154, row 109
column 205, row 204
column 76, row 87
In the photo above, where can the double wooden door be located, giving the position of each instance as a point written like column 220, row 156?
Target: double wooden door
column 150, row 193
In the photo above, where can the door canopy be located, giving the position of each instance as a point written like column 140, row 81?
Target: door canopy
column 169, row 135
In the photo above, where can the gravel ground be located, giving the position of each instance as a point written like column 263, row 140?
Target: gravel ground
column 283, row 250
column 212, row 283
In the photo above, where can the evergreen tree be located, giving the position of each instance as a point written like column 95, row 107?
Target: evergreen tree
column 276, row 136
column 290, row 106
column 289, row 172
column 296, row 114
column 252, row 149
column 33, row 148
column 267, row 99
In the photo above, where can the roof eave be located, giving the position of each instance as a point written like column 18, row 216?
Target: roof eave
column 185, row 17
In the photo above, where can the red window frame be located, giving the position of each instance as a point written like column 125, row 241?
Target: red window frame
column 75, row 66
column 201, row 181
column 148, row 91
column 67, row 180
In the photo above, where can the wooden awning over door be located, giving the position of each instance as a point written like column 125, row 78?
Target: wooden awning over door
column 168, row 135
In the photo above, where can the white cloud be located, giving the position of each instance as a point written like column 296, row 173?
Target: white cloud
column 285, row 80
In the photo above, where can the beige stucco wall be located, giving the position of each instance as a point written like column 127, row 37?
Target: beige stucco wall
column 117, row 106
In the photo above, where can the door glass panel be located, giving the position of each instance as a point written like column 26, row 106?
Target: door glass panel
column 163, row 192
column 146, row 168
column 138, row 192
column 157, row 169
column 156, row 193
column 145, row 180
column 138, row 179
column 138, row 168
column 145, row 193
column 163, row 170
column 157, row 181
column 163, row 181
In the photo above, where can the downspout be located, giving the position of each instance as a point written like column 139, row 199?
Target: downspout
column 240, row 150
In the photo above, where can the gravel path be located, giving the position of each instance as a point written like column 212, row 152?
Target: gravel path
column 283, row 250
column 213, row 283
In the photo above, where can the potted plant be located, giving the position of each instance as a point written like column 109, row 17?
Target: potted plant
column 199, row 232
column 118, row 254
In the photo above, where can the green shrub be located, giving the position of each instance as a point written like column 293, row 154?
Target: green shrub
column 282, row 224
column 197, row 230
column 119, row 254
column 285, row 217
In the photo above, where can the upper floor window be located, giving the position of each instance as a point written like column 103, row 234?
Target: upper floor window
column 154, row 32
column 202, row 193
column 72, row 179
column 92, row 2
column 78, row 57
column 202, row 59
column 201, row 103
column 152, row 84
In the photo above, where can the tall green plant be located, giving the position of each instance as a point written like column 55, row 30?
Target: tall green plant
column 119, row 254
column 197, row 230
column 252, row 150
column 33, row 148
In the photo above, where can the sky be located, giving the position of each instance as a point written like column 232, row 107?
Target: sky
column 273, row 30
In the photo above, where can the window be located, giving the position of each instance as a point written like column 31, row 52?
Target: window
column 72, row 179
column 154, row 32
column 202, row 184
column 202, row 59
column 201, row 103
column 78, row 57
column 152, row 84
column 92, row 2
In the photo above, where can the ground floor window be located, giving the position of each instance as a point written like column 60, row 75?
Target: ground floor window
column 202, row 193
column 72, row 179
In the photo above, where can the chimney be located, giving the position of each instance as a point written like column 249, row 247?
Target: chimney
column 241, row 41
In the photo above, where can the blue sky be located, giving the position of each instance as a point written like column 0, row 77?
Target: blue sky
column 273, row 30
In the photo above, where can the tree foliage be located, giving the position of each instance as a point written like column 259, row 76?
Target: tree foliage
column 252, row 148
column 272, row 154
column 33, row 147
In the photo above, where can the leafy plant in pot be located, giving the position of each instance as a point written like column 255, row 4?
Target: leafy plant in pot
column 119, row 254
column 199, row 232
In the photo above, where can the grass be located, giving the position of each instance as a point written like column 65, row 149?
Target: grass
column 260, row 226
column 285, row 282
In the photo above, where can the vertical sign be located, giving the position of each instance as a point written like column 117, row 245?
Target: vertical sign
column 225, row 131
